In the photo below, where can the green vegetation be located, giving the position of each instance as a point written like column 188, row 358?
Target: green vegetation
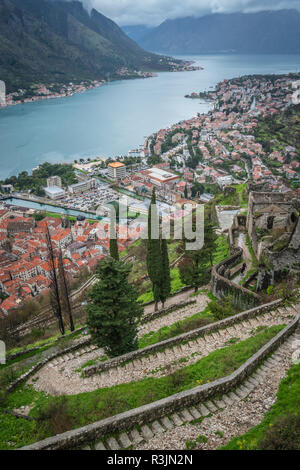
column 194, row 266
column 157, row 257
column 239, row 197
column 58, row 414
column 113, row 311
column 182, row 326
column 99, row 51
column 113, row 242
column 223, row 308
column 280, row 130
column 165, row 273
column 280, row 428
column 38, row 179
column 221, row 249
column 154, row 251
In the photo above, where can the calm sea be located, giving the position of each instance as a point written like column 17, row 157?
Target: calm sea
column 115, row 118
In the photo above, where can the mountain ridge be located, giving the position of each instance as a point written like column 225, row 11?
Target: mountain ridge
column 266, row 32
column 44, row 41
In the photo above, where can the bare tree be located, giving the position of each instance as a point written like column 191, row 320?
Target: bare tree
column 54, row 287
column 65, row 290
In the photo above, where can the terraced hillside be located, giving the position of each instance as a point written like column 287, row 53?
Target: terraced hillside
column 214, row 381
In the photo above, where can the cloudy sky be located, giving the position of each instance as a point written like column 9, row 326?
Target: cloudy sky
column 154, row 12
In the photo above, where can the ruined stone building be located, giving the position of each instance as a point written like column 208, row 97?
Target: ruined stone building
column 273, row 226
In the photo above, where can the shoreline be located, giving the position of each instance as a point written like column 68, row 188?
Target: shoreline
column 72, row 89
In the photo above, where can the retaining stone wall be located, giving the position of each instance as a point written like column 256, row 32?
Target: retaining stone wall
column 185, row 337
column 42, row 363
column 221, row 286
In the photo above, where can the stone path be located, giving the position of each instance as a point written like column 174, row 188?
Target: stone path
column 202, row 301
column 175, row 300
column 219, row 420
column 60, row 376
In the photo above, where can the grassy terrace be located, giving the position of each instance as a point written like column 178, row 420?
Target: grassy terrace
column 58, row 414
column 239, row 198
column 187, row 324
column 288, row 402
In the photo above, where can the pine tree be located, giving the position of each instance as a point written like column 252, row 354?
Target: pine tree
column 113, row 311
column 113, row 242
column 154, row 253
column 166, row 278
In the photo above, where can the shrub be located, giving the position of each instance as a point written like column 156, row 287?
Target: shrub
column 223, row 308
column 36, row 334
column 55, row 416
column 283, row 435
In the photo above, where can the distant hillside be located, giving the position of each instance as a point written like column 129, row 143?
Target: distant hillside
column 56, row 41
column 265, row 32
column 137, row 32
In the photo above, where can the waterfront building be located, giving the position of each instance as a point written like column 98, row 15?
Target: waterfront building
column 54, row 192
column 158, row 176
column 54, row 181
column 83, row 186
column 7, row 188
column 116, row 170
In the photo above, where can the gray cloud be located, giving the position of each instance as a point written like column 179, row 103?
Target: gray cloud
column 154, row 12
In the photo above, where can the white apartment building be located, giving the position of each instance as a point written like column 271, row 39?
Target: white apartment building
column 116, row 170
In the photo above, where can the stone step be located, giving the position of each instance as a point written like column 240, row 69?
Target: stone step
column 100, row 446
column 253, row 381
column 215, row 336
column 194, row 412
column 249, row 385
column 233, row 396
column 211, row 406
column 242, row 392
column 227, row 399
column 265, row 369
column 176, row 419
column 157, row 428
column 186, row 415
column 203, row 410
column 146, row 432
column 124, row 440
column 167, row 423
column 136, row 437
column 220, row 403
column 113, row 444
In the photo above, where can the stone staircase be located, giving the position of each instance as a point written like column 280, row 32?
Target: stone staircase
column 162, row 362
column 139, row 436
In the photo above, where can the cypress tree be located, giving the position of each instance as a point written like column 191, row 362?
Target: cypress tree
column 166, row 278
column 113, row 242
column 154, row 266
column 194, row 268
column 113, row 311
